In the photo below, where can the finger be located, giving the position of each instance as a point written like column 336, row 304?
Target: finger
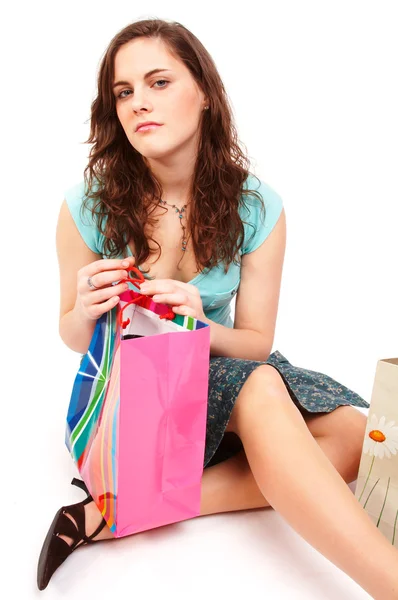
column 102, row 280
column 172, row 299
column 103, row 294
column 188, row 287
column 109, row 264
column 97, row 310
column 161, row 286
column 186, row 311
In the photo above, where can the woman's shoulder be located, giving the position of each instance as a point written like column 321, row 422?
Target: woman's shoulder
column 77, row 193
column 269, row 195
column 80, row 207
column 259, row 217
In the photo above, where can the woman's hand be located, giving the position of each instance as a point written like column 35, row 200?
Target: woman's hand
column 93, row 303
column 184, row 298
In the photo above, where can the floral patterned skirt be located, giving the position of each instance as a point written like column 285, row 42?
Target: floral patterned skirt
column 309, row 390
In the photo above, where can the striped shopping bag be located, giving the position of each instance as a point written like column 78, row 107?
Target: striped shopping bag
column 136, row 423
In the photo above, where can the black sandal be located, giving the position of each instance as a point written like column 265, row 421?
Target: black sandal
column 55, row 550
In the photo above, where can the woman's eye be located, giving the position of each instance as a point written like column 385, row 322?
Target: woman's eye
column 158, row 81
column 120, row 95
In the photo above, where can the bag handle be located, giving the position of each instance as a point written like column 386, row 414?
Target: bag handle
column 137, row 282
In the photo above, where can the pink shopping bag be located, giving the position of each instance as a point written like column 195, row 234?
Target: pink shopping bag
column 136, row 423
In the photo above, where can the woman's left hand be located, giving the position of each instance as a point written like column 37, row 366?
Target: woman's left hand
column 184, row 298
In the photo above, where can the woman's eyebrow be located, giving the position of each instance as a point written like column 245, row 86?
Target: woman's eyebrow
column 145, row 77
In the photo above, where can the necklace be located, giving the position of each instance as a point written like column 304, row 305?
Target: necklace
column 184, row 238
column 179, row 211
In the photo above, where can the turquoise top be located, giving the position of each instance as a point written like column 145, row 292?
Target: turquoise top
column 216, row 287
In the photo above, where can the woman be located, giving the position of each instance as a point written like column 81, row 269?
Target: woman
column 177, row 200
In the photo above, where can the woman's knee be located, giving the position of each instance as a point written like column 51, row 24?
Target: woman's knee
column 263, row 388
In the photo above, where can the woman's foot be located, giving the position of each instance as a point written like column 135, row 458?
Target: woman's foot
column 93, row 518
column 73, row 526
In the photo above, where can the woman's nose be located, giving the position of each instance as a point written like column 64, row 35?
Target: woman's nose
column 140, row 102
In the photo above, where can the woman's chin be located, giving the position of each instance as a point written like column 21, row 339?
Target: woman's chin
column 156, row 153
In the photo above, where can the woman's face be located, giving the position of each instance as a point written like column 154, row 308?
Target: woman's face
column 170, row 97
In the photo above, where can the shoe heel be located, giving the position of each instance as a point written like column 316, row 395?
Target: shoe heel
column 80, row 484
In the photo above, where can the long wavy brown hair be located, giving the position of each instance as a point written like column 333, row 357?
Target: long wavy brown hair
column 123, row 189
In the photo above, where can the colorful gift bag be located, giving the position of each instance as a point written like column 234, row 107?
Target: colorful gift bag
column 136, row 424
column 377, row 483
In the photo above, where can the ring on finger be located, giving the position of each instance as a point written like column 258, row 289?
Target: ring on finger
column 91, row 285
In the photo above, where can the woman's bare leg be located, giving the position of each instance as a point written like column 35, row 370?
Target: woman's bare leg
column 301, row 483
column 230, row 485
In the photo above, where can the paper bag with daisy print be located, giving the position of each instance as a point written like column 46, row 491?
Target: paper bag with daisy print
column 377, row 483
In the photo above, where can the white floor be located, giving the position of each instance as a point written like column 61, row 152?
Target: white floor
column 251, row 554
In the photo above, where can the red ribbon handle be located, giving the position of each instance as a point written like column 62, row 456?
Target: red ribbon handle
column 137, row 282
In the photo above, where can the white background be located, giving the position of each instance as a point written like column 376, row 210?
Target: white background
column 313, row 85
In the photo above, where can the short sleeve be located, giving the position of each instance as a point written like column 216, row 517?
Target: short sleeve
column 259, row 223
column 83, row 217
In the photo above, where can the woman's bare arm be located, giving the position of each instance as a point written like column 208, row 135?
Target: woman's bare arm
column 80, row 307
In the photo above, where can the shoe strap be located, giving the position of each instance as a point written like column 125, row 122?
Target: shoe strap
column 100, row 527
column 78, row 513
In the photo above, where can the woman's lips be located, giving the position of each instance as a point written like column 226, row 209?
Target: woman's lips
column 148, row 128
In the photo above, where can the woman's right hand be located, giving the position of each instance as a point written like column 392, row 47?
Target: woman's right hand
column 93, row 303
